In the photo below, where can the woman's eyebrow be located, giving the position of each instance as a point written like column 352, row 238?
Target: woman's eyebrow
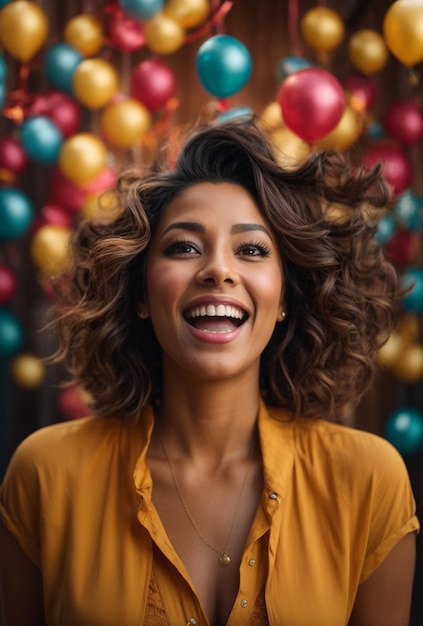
column 243, row 228
column 194, row 227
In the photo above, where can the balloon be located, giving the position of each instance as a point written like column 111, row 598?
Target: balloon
column 362, row 92
column 84, row 32
column 10, row 333
column 312, row 102
column 125, row 33
column 95, row 82
column 27, row 370
column 51, row 214
column 105, row 180
column 397, row 168
column 271, row 117
column 404, row 429
column 41, row 139
column 61, row 109
column 409, row 365
column 72, row 403
column 390, row 351
column 16, row 213
column 141, row 9
column 402, row 247
column 374, row 129
column 23, row 29
column 3, row 69
column 153, row 83
column 413, row 301
column 188, row 13
column 322, row 29
column 367, row 51
column 64, row 193
column 8, row 284
column 82, row 158
column 408, row 210
column 12, row 155
column 234, row 112
column 289, row 149
column 290, row 65
column 3, row 93
column 403, row 31
column 163, row 35
column 49, row 248
column 385, row 228
column 124, row 123
column 404, row 121
column 223, row 65
column 345, row 134
column 98, row 204
column 60, row 63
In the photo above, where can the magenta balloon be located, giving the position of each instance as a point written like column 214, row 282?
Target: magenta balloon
column 397, row 169
column 64, row 193
column 126, row 34
column 105, row 180
column 60, row 108
column 152, row 84
column 312, row 103
column 51, row 214
column 363, row 92
column 13, row 157
column 8, row 283
column 404, row 121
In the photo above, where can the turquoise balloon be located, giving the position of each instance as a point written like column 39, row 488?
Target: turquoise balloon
column 412, row 302
column 16, row 213
column 3, row 3
column 408, row 209
column 41, row 139
column 233, row 113
column 60, row 63
column 223, row 65
column 290, row 65
column 3, row 69
column 3, row 92
column 385, row 228
column 141, row 9
column 375, row 130
column 404, row 429
column 10, row 333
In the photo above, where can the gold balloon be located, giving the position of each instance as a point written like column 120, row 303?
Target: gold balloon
column 390, row 351
column 95, row 82
column 403, row 31
column 367, row 51
column 290, row 150
column 82, row 157
column 98, row 205
column 23, row 29
column 187, row 13
column 271, row 118
column 124, row 123
column 409, row 364
column 345, row 134
column 322, row 29
column 49, row 249
column 85, row 33
column 27, row 371
column 162, row 34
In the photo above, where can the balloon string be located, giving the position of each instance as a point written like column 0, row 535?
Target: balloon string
column 213, row 24
column 293, row 37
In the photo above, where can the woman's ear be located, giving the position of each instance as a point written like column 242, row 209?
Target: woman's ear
column 143, row 310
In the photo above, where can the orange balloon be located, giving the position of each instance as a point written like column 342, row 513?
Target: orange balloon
column 163, row 34
column 322, row 29
column 82, row 157
column 27, row 371
column 403, row 31
column 95, row 82
column 187, row 13
column 367, row 51
column 85, row 33
column 49, row 249
column 345, row 134
column 124, row 123
column 23, row 29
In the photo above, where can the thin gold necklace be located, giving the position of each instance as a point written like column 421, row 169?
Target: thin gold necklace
column 224, row 557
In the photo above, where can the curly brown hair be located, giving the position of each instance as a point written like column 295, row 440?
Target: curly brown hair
column 341, row 292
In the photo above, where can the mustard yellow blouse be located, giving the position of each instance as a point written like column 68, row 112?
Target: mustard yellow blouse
column 77, row 497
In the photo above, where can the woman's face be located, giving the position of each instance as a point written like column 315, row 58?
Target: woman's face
column 214, row 283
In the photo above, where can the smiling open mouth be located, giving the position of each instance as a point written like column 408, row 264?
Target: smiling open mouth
column 221, row 318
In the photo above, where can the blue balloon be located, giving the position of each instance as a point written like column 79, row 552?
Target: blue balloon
column 375, row 130
column 10, row 333
column 408, row 209
column 141, row 9
column 413, row 301
column 16, row 213
column 233, row 113
column 385, row 228
column 3, row 69
column 3, row 3
column 41, row 139
column 404, row 429
column 290, row 65
column 60, row 63
column 223, row 65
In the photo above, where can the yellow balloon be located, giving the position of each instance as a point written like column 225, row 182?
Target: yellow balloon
column 95, row 82
column 27, row 371
column 290, row 150
column 271, row 118
column 97, row 205
column 124, row 123
column 187, row 13
column 82, row 157
column 345, row 134
column 23, row 29
column 390, row 351
column 367, row 51
column 322, row 29
column 85, row 33
column 163, row 34
column 49, row 249
column 409, row 365
column 403, row 31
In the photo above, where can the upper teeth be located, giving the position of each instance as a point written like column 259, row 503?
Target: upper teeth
column 221, row 310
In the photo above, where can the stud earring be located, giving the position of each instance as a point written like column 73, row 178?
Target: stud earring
column 141, row 314
column 282, row 316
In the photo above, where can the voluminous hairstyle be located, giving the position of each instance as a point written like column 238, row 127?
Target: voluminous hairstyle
column 341, row 292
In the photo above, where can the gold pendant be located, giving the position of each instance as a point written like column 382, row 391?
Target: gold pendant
column 225, row 559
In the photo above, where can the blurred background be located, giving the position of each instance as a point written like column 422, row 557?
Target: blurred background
column 90, row 87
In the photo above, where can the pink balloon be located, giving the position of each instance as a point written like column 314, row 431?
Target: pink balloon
column 312, row 103
column 152, row 84
column 105, row 180
column 397, row 169
column 71, row 405
column 60, row 108
column 8, row 284
column 63, row 193
column 362, row 91
column 13, row 157
column 404, row 121
column 125, row 33
column 51, row 214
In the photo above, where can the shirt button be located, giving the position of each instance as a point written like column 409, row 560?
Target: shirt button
column 244, row 603
column 191, row 620
column 141, row 499
column 251, row 562
column 273, row 496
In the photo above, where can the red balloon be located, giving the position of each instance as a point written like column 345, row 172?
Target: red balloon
column 404, row 121
column 152, row 84
column 13, row 157
column 71, row 404
column 312, row 103
column 104, row 181
column 402, row 247
column 64, row 193
column 397, row 168
column 51, row 214
column 362, row 90
column 125, row 33
column 8, row 284
column 60, row 108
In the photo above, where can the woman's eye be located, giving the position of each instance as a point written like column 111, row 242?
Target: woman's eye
column 254, row 250
column 180, row 248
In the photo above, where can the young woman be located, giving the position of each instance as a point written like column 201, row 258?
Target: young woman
column 219, row 321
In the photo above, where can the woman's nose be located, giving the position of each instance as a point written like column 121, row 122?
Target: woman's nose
column 218, row 267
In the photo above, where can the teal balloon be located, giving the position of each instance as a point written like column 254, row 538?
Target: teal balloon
column 385, row 228
column 375, row 130
column 412, row 302
column 41, row 139
column 3, row 92
column 60, row 63
column 404, row 429
column 290, row 65
column 3, row 69
column 11, row 334
column 233, row 113
column 223, row 65
column 408, row 209
column 3, row 3
column 16, row 213
column 141, row 9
